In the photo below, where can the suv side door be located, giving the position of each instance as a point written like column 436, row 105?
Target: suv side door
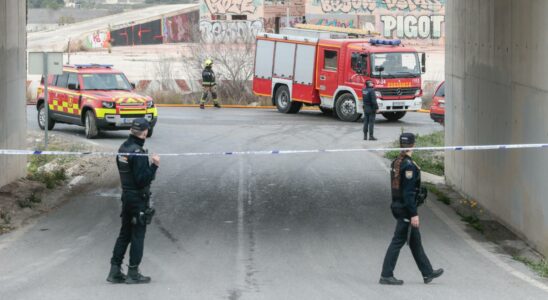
column 73, row 95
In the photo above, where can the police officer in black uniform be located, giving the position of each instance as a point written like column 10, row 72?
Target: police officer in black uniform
column 370, row 109
column 407, row 195
column 136, row 174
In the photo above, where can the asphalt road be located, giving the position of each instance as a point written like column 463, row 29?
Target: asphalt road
column 252, row 227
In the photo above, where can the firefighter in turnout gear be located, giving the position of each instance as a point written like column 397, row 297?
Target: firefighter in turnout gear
column 209, row 85
column 136, row 175
column 407, row 195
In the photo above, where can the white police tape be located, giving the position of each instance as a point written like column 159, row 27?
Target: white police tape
column 275, row 152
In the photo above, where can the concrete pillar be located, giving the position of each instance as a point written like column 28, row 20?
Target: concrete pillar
column 497, row 93
column 13, row 41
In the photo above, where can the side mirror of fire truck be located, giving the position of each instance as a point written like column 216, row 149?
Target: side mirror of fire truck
column 423, row 62
column 133, row 85
column 379, row 69
column 72, row 86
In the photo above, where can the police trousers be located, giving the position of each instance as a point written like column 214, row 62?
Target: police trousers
column 132, row 230
column 399, row 240
column 369, row 123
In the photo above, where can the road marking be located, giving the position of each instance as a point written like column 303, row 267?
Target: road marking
column 474, row 244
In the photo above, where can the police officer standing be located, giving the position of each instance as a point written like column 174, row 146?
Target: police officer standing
column 407, row 195
column 209, row 85
column 136, row 174
column 370, row 109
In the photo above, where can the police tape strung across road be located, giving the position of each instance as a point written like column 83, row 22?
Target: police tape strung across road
column 274, row 152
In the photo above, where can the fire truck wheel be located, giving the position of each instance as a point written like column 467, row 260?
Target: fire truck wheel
column 394, row 116
column 91, row 125
column 42, row 118
column 346, row 108
column 283, row 100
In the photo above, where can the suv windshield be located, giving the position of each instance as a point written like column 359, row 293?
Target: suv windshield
column 106, row 82
column 396, row 64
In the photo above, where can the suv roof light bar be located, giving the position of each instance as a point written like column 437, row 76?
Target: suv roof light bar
column 83, row 66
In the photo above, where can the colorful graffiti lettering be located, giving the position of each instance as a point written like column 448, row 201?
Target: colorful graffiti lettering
column 179, row 29
column 412, row 27
column 346, row 6
column 230, row 31
column 231, row 6
column 336, row 23
column 98, row 39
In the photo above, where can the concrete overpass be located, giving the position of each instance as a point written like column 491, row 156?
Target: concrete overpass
column 496, row 72
column 497, row 93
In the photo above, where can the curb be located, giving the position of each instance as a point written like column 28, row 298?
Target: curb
column 252, row 107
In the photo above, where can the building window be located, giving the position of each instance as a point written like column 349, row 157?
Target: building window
column 239, row 17
column 218, row 17
column 330, row 60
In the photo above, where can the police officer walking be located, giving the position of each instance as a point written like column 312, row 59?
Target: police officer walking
column 136, row 175
column 209, row 85
column 370, row 109
column 407, row 195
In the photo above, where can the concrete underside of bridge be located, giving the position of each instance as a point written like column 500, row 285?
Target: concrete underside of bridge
column 12, row 87
column 497, row 93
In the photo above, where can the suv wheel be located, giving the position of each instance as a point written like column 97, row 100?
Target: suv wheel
column 346, row 108
column 42, row 118
column 91, row 125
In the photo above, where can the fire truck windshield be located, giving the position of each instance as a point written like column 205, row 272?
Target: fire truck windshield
column 110, row 81
column 396, row 65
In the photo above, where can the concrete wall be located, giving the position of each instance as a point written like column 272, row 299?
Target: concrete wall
column 12, row 87
column 497, row 93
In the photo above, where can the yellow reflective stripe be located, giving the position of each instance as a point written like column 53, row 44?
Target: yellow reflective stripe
column 101, row 112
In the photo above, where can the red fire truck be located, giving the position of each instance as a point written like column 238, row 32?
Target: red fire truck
column 297, row 70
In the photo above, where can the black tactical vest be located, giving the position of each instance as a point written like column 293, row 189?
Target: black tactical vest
column 124, row 165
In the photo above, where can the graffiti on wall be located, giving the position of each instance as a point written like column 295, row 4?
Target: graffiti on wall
column 239, row 7
column 98, row 39
column 335, row 22
column 180, row 28
column 230, row 31
column 412, row 27
column 417, row 20
column 149, row 33
column 346, row 6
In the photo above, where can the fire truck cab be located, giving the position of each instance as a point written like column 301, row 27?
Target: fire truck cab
column 331, row 73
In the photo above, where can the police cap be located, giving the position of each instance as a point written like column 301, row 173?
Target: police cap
column 407, row 140
column 140, row 124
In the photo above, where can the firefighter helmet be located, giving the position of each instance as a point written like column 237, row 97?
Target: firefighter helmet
column 208, row 62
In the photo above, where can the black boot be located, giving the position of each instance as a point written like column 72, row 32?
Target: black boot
column 133, row 276
column 390, row 281
column 437, row 273
column 372, row 138
column 217, row 105
column 365, row 136
column 116, row 275
column 202, row 106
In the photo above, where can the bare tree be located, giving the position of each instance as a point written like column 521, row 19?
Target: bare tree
column 233, row 65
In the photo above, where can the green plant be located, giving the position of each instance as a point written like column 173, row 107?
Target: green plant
column 33, row 198
column 473, row 221
column 24, row 203
column 4, row 215
column 441, row 196
column 540, row 267
column 429, row 161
